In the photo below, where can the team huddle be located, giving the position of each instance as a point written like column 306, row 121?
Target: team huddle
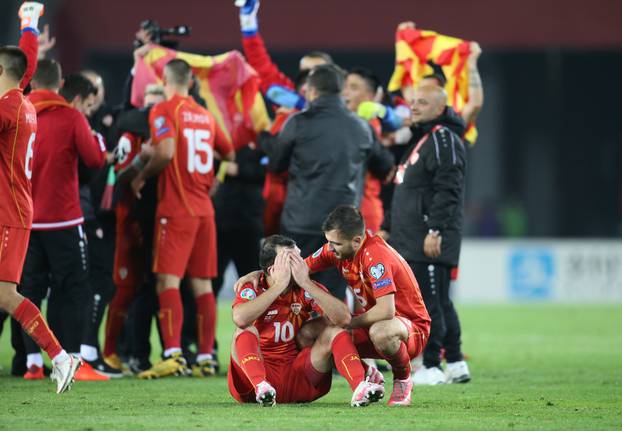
column 325, row 162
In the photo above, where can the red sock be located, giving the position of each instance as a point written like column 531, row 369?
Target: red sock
column 400, row 363
column 347, row 359
column 171, row 317
column 206, row 322
column 249, row 358
column 117, row 310
column 29, row 316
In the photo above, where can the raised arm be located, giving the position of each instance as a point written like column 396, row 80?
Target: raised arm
column 476, row 90
column 255, row 50
column 29, row 14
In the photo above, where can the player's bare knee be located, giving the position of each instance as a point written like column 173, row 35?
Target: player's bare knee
column 309, row 332
column 381, row 334
column 201, row 286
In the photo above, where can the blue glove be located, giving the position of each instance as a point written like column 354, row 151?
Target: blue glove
column 285, row 97
column 248, row 16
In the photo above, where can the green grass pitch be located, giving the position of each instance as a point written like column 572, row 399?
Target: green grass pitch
column 533, row 366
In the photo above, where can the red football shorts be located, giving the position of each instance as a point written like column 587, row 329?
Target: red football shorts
column 293, row 380
column 417, row 339
column 129, row 255
column 13, row 249
column 185, row 246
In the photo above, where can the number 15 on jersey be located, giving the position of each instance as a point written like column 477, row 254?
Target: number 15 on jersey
column 200, row 152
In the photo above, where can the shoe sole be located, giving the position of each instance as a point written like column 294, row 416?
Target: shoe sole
column 268, row 400
column 462, row 379
column 75, row 366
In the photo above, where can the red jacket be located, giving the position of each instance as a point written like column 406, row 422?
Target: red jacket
column 63, row 135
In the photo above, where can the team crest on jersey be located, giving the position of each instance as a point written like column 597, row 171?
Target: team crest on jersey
column 296, row 308
column 248, row 294
column 317, row 253
column 377, row 271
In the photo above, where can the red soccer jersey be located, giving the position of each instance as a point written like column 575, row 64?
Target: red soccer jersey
column 375, row 271
column 18, row 127
column 280, row 323
column 184, row 185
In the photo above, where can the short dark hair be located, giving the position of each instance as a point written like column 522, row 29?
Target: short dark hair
column 77, row 84
column 13, row 61
column 320, row 54
column 370, row 78
column 180, row 70
column 48, row 74
column 347, row 219
column 326, row 79
column 267, row 253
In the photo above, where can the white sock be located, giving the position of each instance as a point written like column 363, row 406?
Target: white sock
column 204, row 356
column 169, row 352
column 62, row 356
column 34, row 359
column 88, row 353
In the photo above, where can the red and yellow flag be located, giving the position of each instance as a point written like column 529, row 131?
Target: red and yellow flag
column 229, row 85
column 415, row 47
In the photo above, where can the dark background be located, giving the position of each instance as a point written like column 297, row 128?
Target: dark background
column 548, row 159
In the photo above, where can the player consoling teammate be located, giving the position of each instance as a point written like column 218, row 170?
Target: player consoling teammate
column 391, row 321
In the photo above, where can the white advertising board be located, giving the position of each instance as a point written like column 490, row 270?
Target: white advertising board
column 572, row 271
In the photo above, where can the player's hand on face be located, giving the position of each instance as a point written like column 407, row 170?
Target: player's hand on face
column 300, row 270
column 280, row 271
column 137, row 184
column 251, row 277
column 432, row 245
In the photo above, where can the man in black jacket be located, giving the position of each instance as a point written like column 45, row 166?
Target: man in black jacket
column 426, row 224
column 325, row 149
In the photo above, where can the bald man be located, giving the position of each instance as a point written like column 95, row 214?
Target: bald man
column 426, row 224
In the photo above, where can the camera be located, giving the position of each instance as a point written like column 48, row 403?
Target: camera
column 159, row 34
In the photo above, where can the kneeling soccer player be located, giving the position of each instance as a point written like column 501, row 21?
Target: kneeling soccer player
column 265, row 360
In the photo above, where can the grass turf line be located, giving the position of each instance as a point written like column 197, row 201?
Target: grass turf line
column 533, row 366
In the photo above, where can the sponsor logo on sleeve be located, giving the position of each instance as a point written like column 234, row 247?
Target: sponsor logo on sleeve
column 248, row 294
column 377, row 271
column 160, row 123
column 382, row 283
column 317, row 253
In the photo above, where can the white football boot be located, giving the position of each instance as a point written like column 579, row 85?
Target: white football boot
column 428, row 376
column 457, row 372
